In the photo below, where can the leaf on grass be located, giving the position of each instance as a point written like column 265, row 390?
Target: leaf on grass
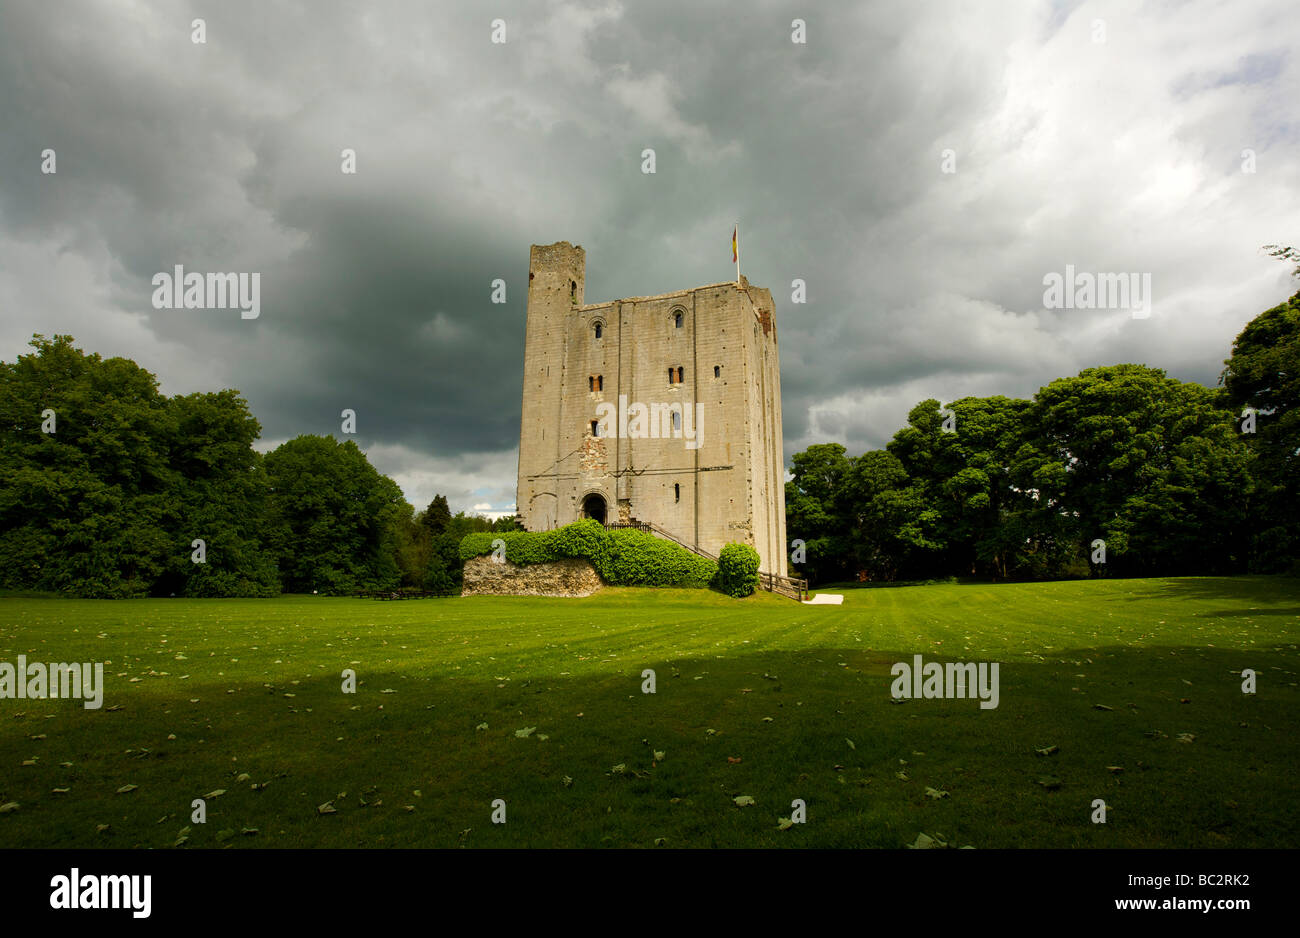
column 126, row 788
column 925, row 842
column 1186, row 737
column 784, row 824
column 1101, row 707
column 568, row 781
column 935, row 793
column 481, row 726
column 543, row 737
column 243, row 777
column 326, row 808
column 9, row 806
column 733, row 760
column 710, row 732
column 743, row 800
column 660, row 841
column 224, row 835
column 1048, row 751
column 850, row 742
column 767, row 719
column 901, row 776
column 1050, row 782
column 525, row 732
column 659, row 755
column 61, row 791
column 619, row 769
column 1114, row 769
column 248, row 831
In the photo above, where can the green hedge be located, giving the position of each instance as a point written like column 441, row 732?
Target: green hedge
column 622, row 557
column 738, row 570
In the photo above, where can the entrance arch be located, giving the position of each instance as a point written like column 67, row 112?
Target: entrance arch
column 593, row 506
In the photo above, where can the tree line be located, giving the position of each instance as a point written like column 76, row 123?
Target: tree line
column 109, row 488
column 1118, row 471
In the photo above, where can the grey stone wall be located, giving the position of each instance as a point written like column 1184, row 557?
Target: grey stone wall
column 571, row 576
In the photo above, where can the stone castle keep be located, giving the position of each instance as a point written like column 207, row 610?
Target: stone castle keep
column 657, row 409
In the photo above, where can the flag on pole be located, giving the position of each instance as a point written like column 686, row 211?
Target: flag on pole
column 735, row 250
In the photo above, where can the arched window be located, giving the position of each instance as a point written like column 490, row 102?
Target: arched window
column 599, row 328
column 677, row 320
column 717, row 371
column 677, row 419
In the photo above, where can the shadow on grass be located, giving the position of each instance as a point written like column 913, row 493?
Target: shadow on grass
column 1164, row 735
column 1245, row 589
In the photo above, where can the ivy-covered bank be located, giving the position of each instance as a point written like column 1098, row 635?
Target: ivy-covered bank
column 625, row 557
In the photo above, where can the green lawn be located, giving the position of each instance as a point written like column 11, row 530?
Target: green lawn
column 236, row 692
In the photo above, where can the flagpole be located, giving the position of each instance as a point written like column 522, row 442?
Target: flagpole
column 737, row 253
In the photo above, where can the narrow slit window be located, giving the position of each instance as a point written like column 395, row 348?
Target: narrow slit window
column 677, row 492
column 595, row 428
column 677, row 419
column 677, row 320
column 600, row 382
column 717, row 371
column 680, row 373
column 591, row 382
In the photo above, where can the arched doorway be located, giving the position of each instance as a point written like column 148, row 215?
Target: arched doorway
column 593, row 506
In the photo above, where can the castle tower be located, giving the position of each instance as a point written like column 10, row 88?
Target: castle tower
column 662, row 409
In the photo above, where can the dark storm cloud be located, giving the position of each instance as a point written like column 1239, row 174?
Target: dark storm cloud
column 1121, row 155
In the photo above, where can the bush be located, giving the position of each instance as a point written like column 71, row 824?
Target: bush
column 738, row 570
column 623, row 557
column 638, row 558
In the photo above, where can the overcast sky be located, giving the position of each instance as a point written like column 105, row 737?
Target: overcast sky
column 1108, row 136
